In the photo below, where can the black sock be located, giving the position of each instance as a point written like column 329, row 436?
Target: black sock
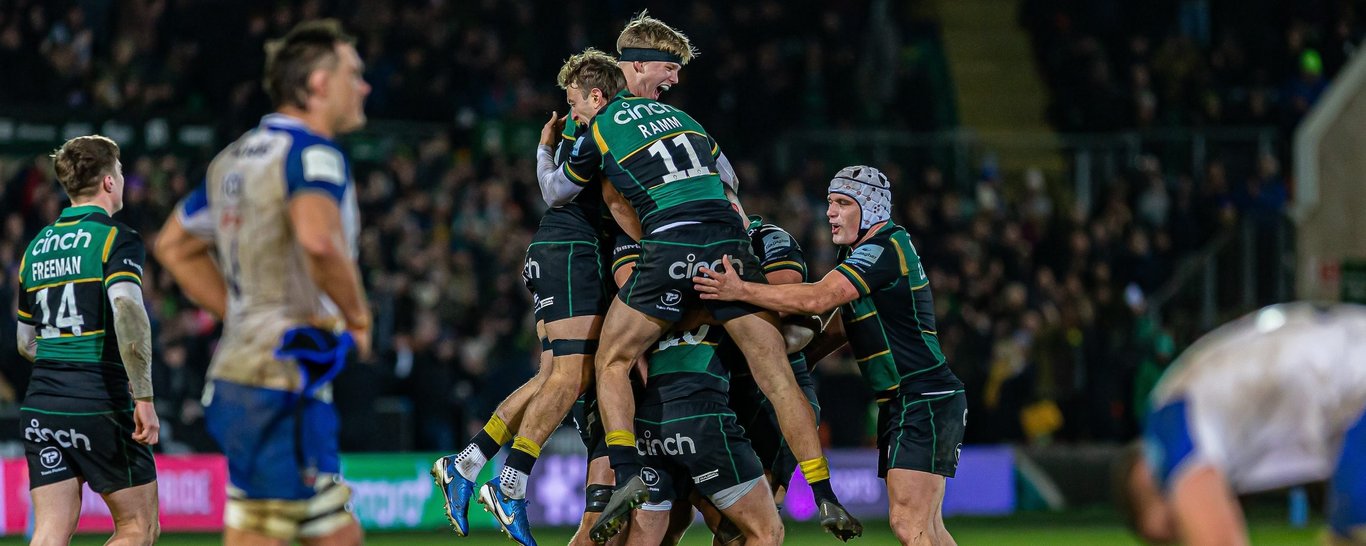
column 822, row 490
column 625, row 462
column 520, row 460
column 486, row 444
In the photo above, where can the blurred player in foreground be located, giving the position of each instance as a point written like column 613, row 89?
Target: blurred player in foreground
column 1271, row 400
column 83, row 324
column 269, row 244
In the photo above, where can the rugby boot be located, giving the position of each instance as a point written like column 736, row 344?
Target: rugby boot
column 618, row 511
column 458, row 492
column 838, row 521
column 510, row 512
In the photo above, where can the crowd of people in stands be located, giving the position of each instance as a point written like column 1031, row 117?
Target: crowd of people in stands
column 1114, row 65
column 1041, row 304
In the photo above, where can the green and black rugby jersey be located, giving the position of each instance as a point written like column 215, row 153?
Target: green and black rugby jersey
column 658, row 157
column 685, row 366
column 582, row 218
column 891, row 326
column 64, row 276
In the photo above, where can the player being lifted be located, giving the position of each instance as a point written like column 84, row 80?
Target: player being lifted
column 673, row 174
column 88, row 415
column 269, row 244
column 564, row 271
column 887, row 311
column 1274, row 399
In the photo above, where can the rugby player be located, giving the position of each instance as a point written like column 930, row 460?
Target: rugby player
column 887, row 312
column 650, row 153
column 88, row 416
column 1271, row 400
column 689, row 440
column 564, row 271
column 278, row 216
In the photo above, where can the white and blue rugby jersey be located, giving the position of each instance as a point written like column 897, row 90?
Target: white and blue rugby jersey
column 243, row 207
column 1269, row 397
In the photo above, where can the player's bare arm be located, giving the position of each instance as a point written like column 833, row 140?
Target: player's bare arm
column 318, row 231
column 28, row 341
column 803, row 298
column 622, row 211
column 135, row 348
column 829, row 340
column 189, row 259
column 1207, row 512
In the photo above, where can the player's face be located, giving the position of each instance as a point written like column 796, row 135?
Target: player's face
column 653, row 78
column 844, row 215
column 582, row 106
column 346, row 90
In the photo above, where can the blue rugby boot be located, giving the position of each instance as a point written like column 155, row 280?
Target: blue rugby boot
column 510, row 512
column 457, row 490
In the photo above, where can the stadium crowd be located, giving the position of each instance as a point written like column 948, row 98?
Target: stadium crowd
column 1114, row 65
column 1041, row 308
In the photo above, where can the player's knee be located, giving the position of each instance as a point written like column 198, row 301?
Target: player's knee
column 770, row 532
column 912, row 532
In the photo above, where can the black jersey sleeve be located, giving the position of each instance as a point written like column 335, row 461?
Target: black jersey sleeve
column 125, row 258
column 871, row 266
column 780, row 251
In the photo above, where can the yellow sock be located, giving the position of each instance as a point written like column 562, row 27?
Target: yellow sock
column 527, row 446
column 498, row 430
column 816, row 470
column 621, row 438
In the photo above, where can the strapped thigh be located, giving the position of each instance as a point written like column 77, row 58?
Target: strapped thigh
column 570, row 347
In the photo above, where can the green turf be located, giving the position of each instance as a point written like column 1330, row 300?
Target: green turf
column 1065, row 529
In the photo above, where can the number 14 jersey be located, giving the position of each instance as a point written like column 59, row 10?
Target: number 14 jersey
column 64, row 276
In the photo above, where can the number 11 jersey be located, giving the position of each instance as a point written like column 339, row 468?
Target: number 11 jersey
column 659, row 158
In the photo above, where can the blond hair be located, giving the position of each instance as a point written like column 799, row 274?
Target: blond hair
column 647, row 32
column 590, row 70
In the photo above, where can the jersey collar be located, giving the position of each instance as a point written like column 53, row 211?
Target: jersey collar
column 287, row 122
column 82, row 210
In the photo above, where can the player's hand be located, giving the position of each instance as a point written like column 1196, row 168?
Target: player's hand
column 552, row 130
column 719, row 285
column 361, row 336
column 146, row 426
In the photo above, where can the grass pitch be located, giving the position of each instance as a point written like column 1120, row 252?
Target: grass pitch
column 1089, row 528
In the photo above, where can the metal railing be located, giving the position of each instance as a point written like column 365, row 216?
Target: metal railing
column 1247, row 265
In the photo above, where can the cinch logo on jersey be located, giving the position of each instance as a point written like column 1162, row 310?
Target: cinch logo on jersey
column 66, row 438
column 667, row 446
column 532, row 270
column 627, row 115
column 689, row 268
column 66, row 241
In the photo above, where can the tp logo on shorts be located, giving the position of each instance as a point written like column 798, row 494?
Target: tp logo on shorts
column 50, row 457
column 690, row 267
column 671, row 298
column 650, row 476
column 69, row 438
